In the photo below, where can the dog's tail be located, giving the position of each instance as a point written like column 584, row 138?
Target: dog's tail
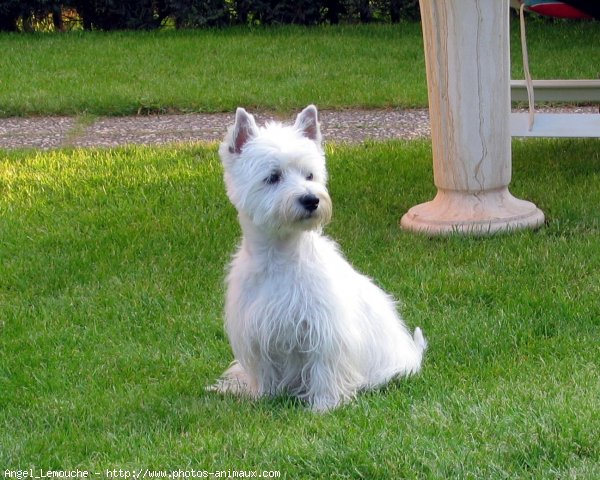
column 419, row 339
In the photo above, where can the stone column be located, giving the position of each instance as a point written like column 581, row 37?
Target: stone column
column 468, row 78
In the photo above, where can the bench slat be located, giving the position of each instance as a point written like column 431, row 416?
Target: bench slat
column 557, row 90
column 555, row 125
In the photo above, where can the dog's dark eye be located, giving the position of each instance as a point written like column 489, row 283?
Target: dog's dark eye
column 309, row 177
column 275, row 177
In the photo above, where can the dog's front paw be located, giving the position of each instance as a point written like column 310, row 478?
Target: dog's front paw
column 235, row 380
column 325, row 404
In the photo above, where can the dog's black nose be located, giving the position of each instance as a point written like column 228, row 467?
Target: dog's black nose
column 309, row 201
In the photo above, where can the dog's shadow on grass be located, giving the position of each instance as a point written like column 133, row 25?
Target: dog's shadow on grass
column 284, row 404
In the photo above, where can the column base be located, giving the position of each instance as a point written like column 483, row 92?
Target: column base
column 473, row 213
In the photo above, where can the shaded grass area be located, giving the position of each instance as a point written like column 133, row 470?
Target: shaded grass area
column 216, row 70
column 111, row 267
column 278, row 69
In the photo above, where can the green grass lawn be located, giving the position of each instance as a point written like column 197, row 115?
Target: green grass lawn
column 215, row 70
column 111, row 293
column 278, row 69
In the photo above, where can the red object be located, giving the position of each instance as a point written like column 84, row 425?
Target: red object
column 555, row 9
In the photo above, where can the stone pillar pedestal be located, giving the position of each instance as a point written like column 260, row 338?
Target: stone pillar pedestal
column 468, row 78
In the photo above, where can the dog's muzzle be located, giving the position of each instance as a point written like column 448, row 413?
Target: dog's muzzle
column 309, row 201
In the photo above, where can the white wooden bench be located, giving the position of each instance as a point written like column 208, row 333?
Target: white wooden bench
column 556, row 124
column 533, row 124
column 557, row 90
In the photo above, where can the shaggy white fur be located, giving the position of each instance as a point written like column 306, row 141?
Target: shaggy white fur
column 299, row 318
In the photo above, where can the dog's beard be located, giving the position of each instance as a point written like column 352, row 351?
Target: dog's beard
column 288, row 215
column 296, row 217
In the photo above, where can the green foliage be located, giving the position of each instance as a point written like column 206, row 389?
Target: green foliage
column 199, row 13
column 10, row 11
column 120, row 14
column 277, row 12
column 29, row 15
column 150, row 14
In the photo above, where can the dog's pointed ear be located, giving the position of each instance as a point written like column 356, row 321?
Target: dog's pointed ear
column 244, row 129
column 307, row 122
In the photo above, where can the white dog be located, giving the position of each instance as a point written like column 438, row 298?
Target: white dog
column 299, row 318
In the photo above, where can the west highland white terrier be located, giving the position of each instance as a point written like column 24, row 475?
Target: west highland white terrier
column 299, row 318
